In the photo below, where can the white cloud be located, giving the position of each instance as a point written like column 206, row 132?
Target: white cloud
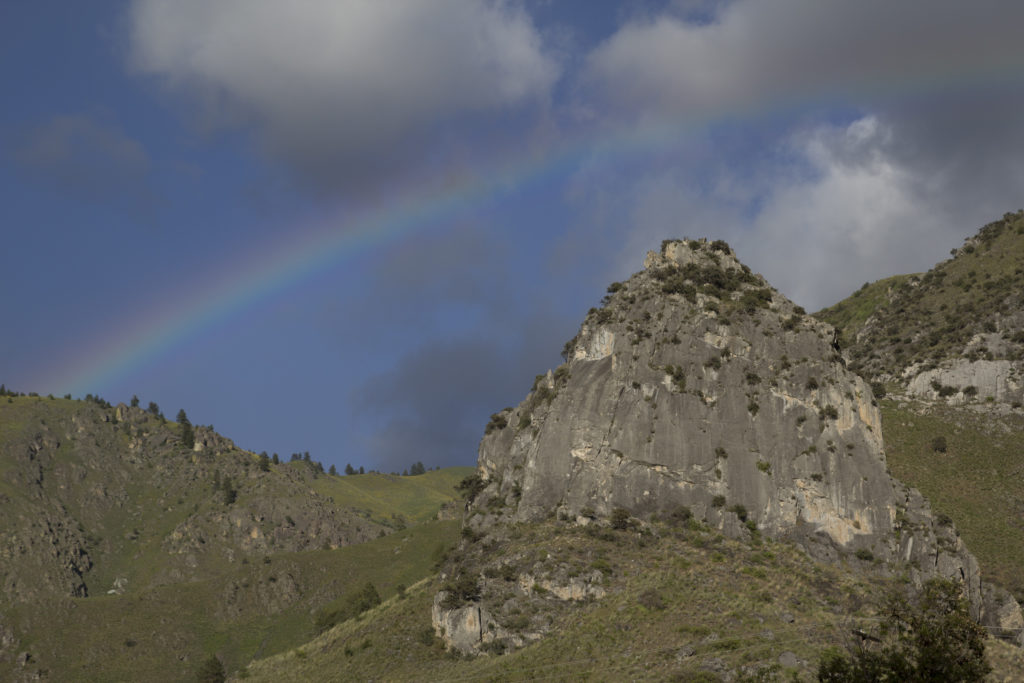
column 344, row 89
column 857, row 217
column 843, row 211
column 935, row 151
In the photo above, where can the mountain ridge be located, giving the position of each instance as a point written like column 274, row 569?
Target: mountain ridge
column 110, row 518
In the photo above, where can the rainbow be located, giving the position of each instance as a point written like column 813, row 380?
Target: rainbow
column 285, row 264
column 301, row 256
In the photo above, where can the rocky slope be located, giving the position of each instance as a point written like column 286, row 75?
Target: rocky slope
column 697, row 389
column 103, row 506
column 948, row 348
column 955, row 333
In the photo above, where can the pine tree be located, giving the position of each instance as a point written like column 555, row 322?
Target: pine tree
column 275, row 459
column 153, row 408
column 188, row 438
column 349, row 469
column 333, row 471
column 135, row 401
column 264, row 462
column 361, row 470
column 417, row 468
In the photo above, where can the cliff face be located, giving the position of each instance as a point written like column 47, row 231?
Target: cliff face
column 699, row 385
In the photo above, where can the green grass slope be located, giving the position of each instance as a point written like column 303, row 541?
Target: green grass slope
column 977, row 481
column 681, row 604
column 928, row 318
column 96, row 498
column 392, row 499
column 850, row 314
column 163, row 634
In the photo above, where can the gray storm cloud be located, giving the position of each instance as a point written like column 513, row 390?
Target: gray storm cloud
column 779, row 53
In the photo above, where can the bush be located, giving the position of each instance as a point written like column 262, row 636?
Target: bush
column 939, row 444
column 930, row 637
column 754, row 299
column 471, row 486
column 718, row 502
column 680, row 515
column 620, row 519
column 651, row 600
column 678, row 376
column 211, row 671
column 739, row 511
column 944, row 390
column 463, row 589
column 229, row 491
column 426, row 636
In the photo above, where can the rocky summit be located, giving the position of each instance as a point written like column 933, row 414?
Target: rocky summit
column 698, row 387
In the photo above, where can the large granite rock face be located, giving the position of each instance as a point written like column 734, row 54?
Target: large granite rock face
column 698, row 385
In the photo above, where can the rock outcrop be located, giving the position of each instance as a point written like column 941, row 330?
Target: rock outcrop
column 698, row 385
column 960, row 381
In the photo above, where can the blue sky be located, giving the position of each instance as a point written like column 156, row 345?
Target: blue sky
column 359, row 228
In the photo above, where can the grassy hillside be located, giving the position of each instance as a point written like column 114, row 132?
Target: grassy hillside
column 971, row 305
column 164, row 633
column 116, row 538
column 968, row 464
column 850, row 314
column 391, row 499
column 682, row 604
column 679, row 602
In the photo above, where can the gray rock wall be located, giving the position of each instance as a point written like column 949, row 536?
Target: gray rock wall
column 698, row 385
